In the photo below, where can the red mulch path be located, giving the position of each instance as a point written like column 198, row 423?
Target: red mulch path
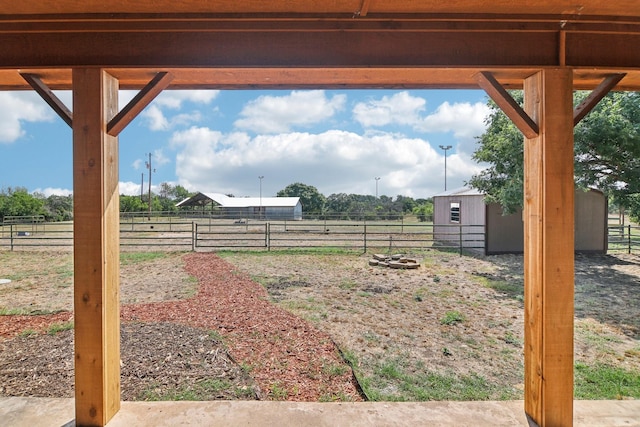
column 11, row 326
column 287, row 356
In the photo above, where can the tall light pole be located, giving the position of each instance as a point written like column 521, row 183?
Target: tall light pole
column 260, row 178
column 377, row 178
column 445, row 148
column 151, row 170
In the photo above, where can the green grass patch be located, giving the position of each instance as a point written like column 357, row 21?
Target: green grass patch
column 14, row 311
column 396, row 380
column 198, row 391
column 59, row 327
column 335, row 397
column 605, row 382
column 128, row 258
column 452, row 317
column 334, row 370
column 510, row 289
column 278, row 391
column 215, row 335
column 28, row 333
column 348, row 285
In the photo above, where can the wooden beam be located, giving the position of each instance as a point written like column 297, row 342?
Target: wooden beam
column 364, row 8
column 96, row 248
column 549, row 249
column 160, row 82
column 507, row 104
column 596, row 96
column 49, row 97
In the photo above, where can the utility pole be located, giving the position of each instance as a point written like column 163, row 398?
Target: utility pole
column 151, row 170
column 377, row 178
column 260, row 178
column 445, row 148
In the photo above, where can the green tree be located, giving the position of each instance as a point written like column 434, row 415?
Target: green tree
column 424, row 211
column 179, row 193
column 18, row 201
column 312, row 200
column 607, row 145
column 58, row 208
column 607, row 152
column 132, row 204
column 502, row 147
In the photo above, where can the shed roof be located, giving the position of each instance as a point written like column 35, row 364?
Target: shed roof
column 461, row 191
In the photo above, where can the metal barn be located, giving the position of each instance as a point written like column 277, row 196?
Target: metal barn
column 460, row 216
column 267, row 208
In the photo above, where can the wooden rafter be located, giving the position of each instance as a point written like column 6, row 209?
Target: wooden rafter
column 160, row 82
column 364, row 8
column 595, row 96
column 49, row 97
column 506, row 102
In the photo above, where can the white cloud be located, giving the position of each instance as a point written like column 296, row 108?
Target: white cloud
column 466, row 121
column 155, row 118
column 53, row 191
column 274, row 114
column 129, row 188
column 400, row 108
column 159, row 158
column 19, row 107
column 175, row 99
column 334, row 161
column 138, row 164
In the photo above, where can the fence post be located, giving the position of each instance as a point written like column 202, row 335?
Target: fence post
column 194, row 236
column 267, row 235
column 365, row 237
column 460, row 233
column 629, row 237
column 11, row 235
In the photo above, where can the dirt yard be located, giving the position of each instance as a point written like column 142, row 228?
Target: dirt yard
column 195, row 317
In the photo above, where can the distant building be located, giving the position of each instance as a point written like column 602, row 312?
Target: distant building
column 464, row 212
column 223, row 206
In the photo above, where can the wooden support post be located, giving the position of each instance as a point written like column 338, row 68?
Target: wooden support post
column 96, row 248
column 549, row 249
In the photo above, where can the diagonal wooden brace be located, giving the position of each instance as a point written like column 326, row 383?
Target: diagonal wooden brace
column 596, row 96
column 49, row 97
column 160, row 82
column 508, row 105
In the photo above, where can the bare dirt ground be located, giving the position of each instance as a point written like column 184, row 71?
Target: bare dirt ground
column 457, row 315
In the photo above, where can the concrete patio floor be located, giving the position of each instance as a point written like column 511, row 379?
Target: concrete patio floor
column 45, row 412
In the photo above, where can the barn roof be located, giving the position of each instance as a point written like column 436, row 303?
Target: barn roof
column 225, row 201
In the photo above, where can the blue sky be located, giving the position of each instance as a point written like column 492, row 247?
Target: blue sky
column 221, row 141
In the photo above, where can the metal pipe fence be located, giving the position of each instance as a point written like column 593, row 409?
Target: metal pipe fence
column 623, row 238
column 208, row 234
column 172, row 233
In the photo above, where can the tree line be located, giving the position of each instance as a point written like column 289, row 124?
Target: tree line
column 19, row 202
column 356, row 206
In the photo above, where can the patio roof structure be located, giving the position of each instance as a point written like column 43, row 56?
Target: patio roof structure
column 549, row 48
